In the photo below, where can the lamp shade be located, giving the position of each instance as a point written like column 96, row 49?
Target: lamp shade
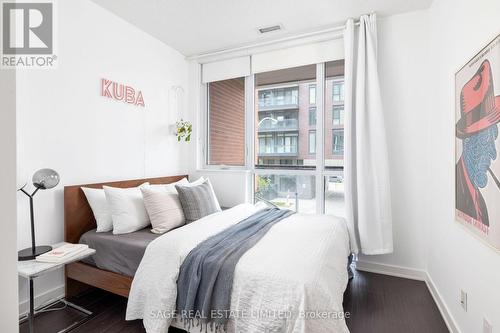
column 45, row 178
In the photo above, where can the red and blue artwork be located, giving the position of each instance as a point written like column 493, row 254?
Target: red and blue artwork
column 477, row 144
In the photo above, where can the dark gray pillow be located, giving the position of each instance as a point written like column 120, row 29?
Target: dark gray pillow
column 197, row 201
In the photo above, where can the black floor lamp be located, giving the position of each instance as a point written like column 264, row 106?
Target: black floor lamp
column 43, row 179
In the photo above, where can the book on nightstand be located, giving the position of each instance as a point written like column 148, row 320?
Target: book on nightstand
column 62, row 253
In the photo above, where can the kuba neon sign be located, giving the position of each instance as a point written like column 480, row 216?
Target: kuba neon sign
column 121, row 92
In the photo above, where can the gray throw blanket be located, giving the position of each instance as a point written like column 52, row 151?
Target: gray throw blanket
column 206, row 276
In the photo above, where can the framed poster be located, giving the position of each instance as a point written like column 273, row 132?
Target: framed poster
column 477, row 144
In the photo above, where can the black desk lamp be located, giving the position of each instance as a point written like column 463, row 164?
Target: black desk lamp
column 43, row 179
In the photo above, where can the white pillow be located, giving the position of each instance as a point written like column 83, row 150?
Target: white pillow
column 127, row 209
column 99, row 205
column 164, row 209
column 197, row 182
column 163, row 206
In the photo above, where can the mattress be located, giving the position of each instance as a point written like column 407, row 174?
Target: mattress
column 117, row 253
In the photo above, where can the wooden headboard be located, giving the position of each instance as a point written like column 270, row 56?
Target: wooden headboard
column 78, row 216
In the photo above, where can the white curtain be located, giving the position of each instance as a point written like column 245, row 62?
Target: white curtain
column 366, row 168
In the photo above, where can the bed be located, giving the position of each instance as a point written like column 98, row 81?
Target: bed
column 292, row 280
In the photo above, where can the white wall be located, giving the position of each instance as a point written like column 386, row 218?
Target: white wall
column 403, row 70
column 231, row 187
column 66, row 125
column 8, row 229
column 456, row 259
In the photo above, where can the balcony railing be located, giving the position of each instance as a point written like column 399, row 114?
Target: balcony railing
column 279, row 98
column 277, row 106
column 278, row 151
column 279, row 125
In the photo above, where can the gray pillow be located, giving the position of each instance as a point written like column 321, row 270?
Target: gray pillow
column 197, row 201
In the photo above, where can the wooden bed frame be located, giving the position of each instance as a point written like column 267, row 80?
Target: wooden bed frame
column 78, row 219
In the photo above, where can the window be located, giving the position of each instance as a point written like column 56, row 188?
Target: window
column 297, row 152
column 287, row 184
column 338, row 141
column 338, row 90
column 286, row 162
column 312, row 116
column 312, row 94
column 226, row 122
column 338, row 114
column 312, row 142
column 278, row 144
column 266, row 143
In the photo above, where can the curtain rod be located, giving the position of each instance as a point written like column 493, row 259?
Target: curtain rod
column 265, row 43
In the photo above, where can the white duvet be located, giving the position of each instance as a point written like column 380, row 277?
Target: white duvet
column 292, row 280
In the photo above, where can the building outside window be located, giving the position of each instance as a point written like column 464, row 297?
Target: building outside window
column 289, row 140
column 283, row 143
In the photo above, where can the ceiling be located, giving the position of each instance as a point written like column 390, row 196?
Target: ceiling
column 198, row 26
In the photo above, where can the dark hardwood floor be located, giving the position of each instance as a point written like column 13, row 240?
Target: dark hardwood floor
column 385, row 304
column 376, row 303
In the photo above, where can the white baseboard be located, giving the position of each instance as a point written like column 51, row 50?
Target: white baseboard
column 42, row 299
column 445, row 312
column 414, row 274
column 399, row 271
